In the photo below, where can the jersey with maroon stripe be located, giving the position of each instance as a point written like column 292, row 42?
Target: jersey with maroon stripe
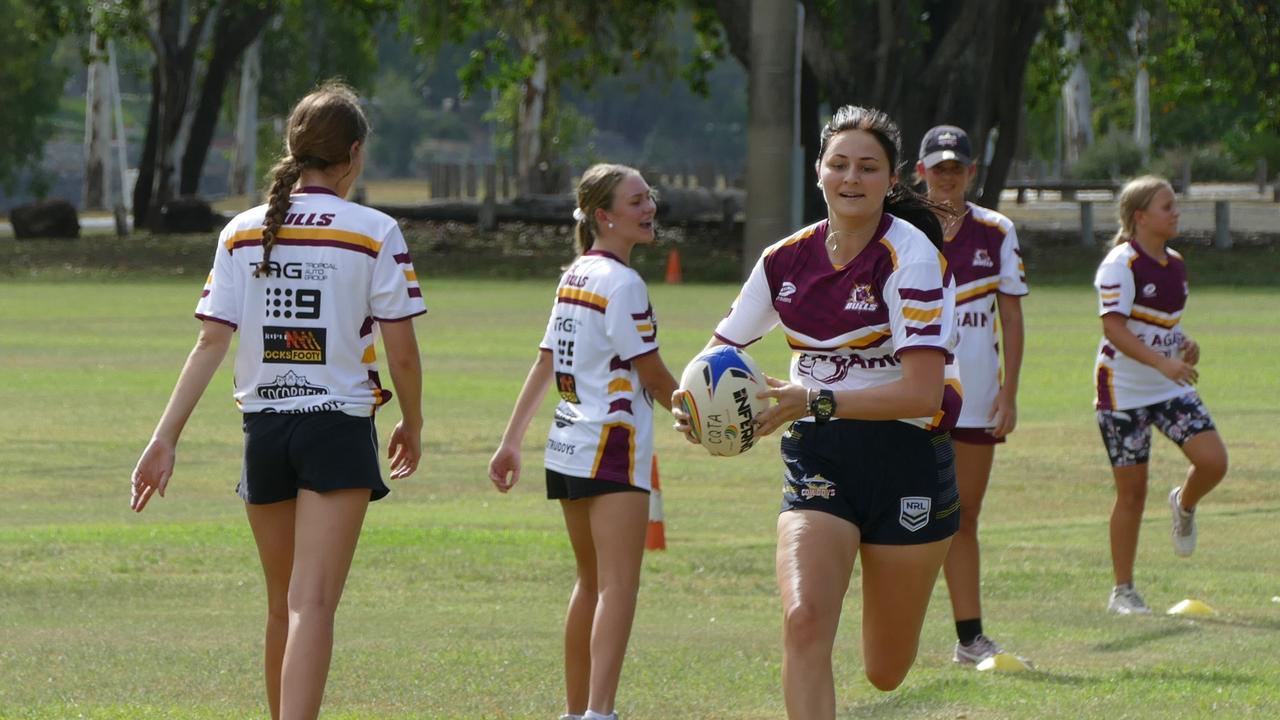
column 600, row 322
column 308, row 325
column 847, row 325
column 986, row 261
column 1151, row 296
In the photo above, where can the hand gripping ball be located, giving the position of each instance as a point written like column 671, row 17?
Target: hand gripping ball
column 718, row 390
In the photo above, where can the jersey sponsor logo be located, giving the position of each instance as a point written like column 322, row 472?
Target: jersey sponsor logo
column 576, row 281
column 566, row 325
column 831, row 369
column 567, row 385
column 982, row 259
column 971, row 319
column 565, row 417
column 299, row 346
column 309, row 219
column 1149, row 290
column 297, row 270
column 862, row 298
column 913, row 512
column 284, row 302
column 564, row 352
column 327, row 406
column 562, row 448
column 785, row 292
column 289, row 385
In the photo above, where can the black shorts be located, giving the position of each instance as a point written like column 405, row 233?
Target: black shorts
column 568, row 487
column 896, row 482
column 316, row 451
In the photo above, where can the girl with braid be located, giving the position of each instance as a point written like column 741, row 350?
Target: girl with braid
column 310, row 280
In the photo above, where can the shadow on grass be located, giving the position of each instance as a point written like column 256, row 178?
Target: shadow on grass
column 1131, row 641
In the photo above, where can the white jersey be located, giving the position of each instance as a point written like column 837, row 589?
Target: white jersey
column 308, row 325
column 848, row 325
column 601, row 321
column 985, row 259
column 1151, row 296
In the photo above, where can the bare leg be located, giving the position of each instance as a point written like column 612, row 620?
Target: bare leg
column 1126, row 518
column 1208, row 458
column 814, row 561
column 962, row 566
column 273, row 532
column 618, row 525
column 327, row 529
column 897, row 581
column 582, row 607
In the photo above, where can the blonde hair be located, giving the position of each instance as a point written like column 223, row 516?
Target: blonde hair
column 321, row 129
column 1136, row 195
column 595, row 191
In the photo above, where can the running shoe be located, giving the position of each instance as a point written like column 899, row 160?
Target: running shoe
column 1125, row 600
column 1184, row 525
column 975, row 652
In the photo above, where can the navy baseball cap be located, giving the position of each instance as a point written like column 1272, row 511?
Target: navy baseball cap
column 943, row 143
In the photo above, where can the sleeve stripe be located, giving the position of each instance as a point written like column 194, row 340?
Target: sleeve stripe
column 921, row 295
column 923, row 316
column 1110, row 287
column 926, row 330
column 211, row 318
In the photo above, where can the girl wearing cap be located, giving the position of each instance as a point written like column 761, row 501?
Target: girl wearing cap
column 982, row 252
column 601, row 347
column 309, row 280
column 1144, row 376
column 868, row 310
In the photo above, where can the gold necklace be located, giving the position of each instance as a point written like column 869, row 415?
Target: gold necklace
column 953, row 223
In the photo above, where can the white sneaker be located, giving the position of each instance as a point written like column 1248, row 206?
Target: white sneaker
column 1126, row 601
column 975, row 652
column 1184, row 525
column 567, row 716
column 593, row 715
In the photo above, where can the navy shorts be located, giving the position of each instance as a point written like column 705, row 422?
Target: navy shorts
column 975, row 436
column 1127, row 433
column 568, row 487
column 896, row 482
column 317, row 451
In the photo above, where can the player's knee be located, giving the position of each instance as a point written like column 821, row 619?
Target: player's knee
column 803, row 625
column 1131, row 497
column 1214, row 467
column 886, row 676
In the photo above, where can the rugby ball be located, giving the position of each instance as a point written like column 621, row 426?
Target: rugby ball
column 718, row 390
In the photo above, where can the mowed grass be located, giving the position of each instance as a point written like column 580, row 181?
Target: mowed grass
column 455, row 602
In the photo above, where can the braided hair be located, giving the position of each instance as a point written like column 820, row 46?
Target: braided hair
column 321, row 129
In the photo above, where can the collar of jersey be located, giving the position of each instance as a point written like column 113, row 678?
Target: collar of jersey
column 604, row 253
column 314, row 190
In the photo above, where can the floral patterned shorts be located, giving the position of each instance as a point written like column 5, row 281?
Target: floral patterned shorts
column 1127, row 433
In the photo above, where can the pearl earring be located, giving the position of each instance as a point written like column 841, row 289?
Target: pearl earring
column 610, row 226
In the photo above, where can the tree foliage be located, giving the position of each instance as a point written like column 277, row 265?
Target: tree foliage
column 30, row 85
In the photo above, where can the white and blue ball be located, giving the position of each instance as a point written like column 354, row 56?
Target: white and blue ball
column 718, row 390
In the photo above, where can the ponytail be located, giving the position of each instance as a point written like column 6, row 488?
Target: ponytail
column 920, row 211
column 1136, row 195
column 285, row 174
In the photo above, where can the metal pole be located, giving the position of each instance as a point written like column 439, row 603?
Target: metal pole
column 1086, row 224
column 1222, row 224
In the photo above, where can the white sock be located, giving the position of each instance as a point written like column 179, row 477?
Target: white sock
column 570, row 716
column 593, row 715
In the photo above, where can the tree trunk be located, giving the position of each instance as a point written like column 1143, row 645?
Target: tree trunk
column 530, row 115
column 1010, row 68
column 1077, row 105
column 234, row 30
column 97, row 135
column 244, row 157
column 1142, row 87
column 770, row 126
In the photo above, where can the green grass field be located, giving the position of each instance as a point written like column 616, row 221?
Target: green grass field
column 454, row 605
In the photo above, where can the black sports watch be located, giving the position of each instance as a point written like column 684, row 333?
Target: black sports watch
column 822, row 406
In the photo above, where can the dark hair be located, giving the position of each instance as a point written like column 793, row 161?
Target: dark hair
column 901, row 201
column 321, row 129
column 595, row 191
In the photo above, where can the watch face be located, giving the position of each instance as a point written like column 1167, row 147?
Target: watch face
column 824, row 406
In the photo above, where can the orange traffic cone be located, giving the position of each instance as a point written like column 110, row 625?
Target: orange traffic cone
column 655, row 537
column 674, row 276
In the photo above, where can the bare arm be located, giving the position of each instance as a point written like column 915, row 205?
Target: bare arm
column 1012, row 335
column 1119, row 335
column 504, row 467
column 918, row 393
column 155, row 466
column 405, row 365
column 656, row 378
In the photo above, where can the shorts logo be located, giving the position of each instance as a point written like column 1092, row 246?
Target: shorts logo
column 289, row 385
column 913, row 512
column 1149, row 290
column 299, row 346
column 863, row 298
column 982, row 259
column 785, row 292
column 568, row 387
